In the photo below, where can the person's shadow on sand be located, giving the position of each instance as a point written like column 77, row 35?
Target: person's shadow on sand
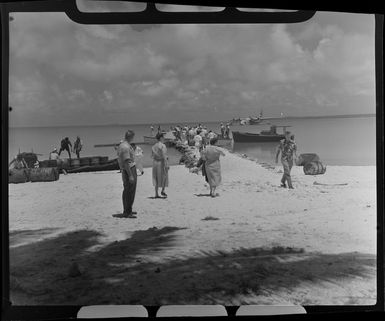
column 155, row 198
column 200, row 195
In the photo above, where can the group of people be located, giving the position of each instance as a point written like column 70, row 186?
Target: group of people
column 209, row 162
column 197, row 135
column 127, row 153
column 66, row 145
column 225, row 131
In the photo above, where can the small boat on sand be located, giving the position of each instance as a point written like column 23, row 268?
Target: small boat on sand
column 264, row 136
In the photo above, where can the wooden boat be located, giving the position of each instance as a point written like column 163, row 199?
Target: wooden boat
column 264, row 136
column 110, row 165
column 82, row 164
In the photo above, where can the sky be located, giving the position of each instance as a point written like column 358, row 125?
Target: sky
column 63, row 73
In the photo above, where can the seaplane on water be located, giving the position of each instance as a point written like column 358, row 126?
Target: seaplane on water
column 252, row 120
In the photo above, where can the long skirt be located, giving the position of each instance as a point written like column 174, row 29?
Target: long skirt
column 213, row 173
column 159, row 174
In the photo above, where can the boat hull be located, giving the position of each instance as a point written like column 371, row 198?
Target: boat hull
column 151, row 140
column 111, row 165
column 255, row 138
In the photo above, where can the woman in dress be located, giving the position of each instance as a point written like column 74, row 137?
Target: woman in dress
column 160, row 166
column 212, row 165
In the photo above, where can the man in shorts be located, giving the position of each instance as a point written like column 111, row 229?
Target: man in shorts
column 287, row 147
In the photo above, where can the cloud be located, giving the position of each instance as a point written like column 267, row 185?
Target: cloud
column 57, row 65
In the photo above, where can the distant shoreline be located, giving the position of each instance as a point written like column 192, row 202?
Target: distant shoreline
column 327, row 116
column 197, row 122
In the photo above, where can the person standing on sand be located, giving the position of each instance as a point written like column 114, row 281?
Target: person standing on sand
column 210, row 155
column 227, row 131
column 54, row 154
column 65, row 145
column 78, row 145
column 287, row 147
column 160, row 166
column 126, row 160
column 222, row 130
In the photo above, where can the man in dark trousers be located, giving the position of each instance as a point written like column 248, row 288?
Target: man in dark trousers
column 65, row 145
column 287, row 147
column 126, row 159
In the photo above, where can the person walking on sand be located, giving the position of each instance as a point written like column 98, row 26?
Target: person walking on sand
column 65, row 145
column 160, row 166
column 287, row 147
column 126, row 160
column 210, row 155
column 78, row 145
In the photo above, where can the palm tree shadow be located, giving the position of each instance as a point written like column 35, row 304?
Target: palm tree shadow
column 114, row 275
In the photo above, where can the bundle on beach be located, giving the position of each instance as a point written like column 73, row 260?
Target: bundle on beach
column 314, row 168
column 48, row 174
column 18, row 176
column 303, row 159
column 190, row 155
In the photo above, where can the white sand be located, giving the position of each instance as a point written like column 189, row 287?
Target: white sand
column 252, row 209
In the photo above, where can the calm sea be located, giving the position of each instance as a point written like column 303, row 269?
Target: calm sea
column 338, row 141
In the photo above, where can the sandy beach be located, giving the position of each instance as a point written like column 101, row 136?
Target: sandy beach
column 256, row 243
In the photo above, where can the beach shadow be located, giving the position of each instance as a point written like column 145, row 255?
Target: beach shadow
column 156, row 198
column 116, row 274
column 202, row 195
column 24, row 236
column 41, row 271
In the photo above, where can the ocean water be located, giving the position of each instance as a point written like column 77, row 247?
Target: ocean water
column 338, row 141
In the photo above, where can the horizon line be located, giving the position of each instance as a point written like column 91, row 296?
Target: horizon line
column 212, row 121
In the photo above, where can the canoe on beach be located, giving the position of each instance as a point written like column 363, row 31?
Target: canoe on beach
column 111, row 165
